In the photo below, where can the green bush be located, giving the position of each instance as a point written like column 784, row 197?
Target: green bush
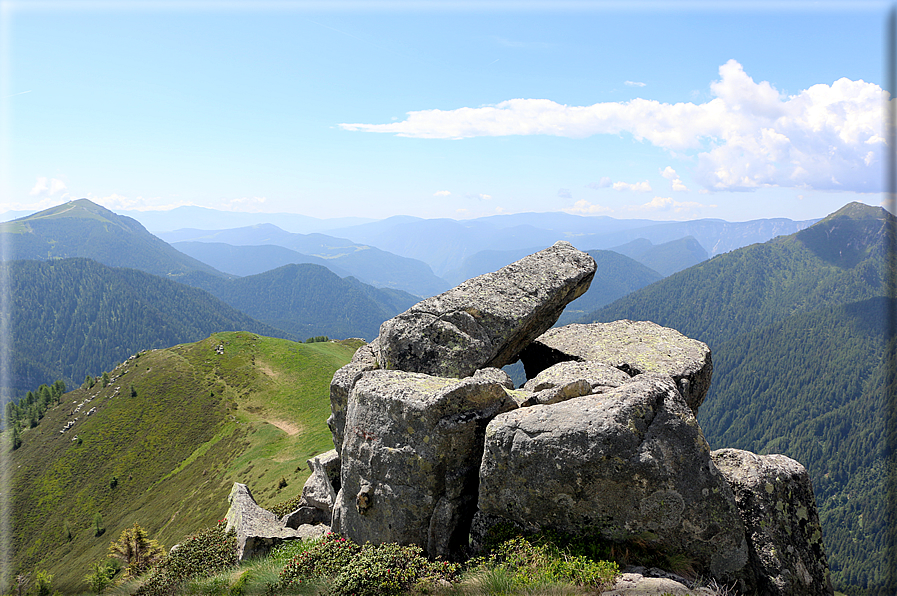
column 538, row 560
column 323, row 558
column 390, row 569
column 369, row 570
column 207, row 552
column 101, row 577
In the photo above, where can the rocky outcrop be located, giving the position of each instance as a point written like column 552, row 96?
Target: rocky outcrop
column 629, row 464
column 634, row 347
column 319, row 492
column 436, row 446
column 776, row 501
column 486, row 321
column 344, row 379
column 411, row 456
column 258, row 529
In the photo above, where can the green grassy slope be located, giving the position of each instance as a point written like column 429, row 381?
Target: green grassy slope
column 167, row 456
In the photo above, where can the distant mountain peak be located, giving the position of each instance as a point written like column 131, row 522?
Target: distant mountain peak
column 847, row 236
column 856, row 210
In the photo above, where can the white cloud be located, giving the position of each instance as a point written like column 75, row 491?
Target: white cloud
column 116, row 201
column 603, row 183
column 583, row 207
column 441, row 193
column 638, row 186
column 675, row 182
column 634, row 83
column 244, row 204
column 565, row 193
column 748, row 136
column 667, row 205
column 480, row 196
column 45, row 187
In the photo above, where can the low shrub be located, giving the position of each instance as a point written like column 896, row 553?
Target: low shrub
column 207, row 552
column 538, row 560
column 369, row 570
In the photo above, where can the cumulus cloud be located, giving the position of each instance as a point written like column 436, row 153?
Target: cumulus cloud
column 603, row 183
column 634, row 83
column 441, row 193
column 671, row 175
column 638, row 186
column 583, row 207
column 565, row 193
column 667, row 205
column 748, row 136
column 47, row 187
column 121, row 202
column 244, row 204
column 480, row 196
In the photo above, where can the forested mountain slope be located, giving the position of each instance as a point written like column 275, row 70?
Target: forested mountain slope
column 797, row 327
column 759, row 284
column 162, row 444
column 72, row 317
column 84, row 229
column 667, row 258
column 309, row 300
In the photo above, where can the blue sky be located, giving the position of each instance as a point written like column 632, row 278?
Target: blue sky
column 664, row 111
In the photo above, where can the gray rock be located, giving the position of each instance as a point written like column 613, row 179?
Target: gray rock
column 775, row 497
column 636, row 584
column 411, row 456
column 486, row 321
column 318, row 492
column 601, row 377
column 305, row 515
column 634, row 347
column 553, row 395
column 258, row 529
column 630, row 464
column 341, row 385
column 330, row 462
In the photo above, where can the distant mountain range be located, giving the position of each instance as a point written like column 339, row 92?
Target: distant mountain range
column 371, row 265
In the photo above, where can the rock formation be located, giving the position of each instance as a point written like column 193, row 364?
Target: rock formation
column 620, row 465
column 258, row 529
column 435, row 444
column 775, row 498
column 486, row 321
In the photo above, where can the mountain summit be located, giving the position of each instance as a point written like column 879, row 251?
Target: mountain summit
column 84, row 229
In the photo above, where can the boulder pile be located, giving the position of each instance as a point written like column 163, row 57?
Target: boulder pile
column 434, row 445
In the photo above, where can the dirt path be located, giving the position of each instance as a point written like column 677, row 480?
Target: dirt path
column 287, row 427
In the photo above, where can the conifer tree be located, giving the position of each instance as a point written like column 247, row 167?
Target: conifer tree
column 137, row 550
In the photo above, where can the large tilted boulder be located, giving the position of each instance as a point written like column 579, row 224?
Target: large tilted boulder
column 629, row 464
column 258, row 529
column 486, row 321
column 634, row 347
column 411, row 457
column 775, row 498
